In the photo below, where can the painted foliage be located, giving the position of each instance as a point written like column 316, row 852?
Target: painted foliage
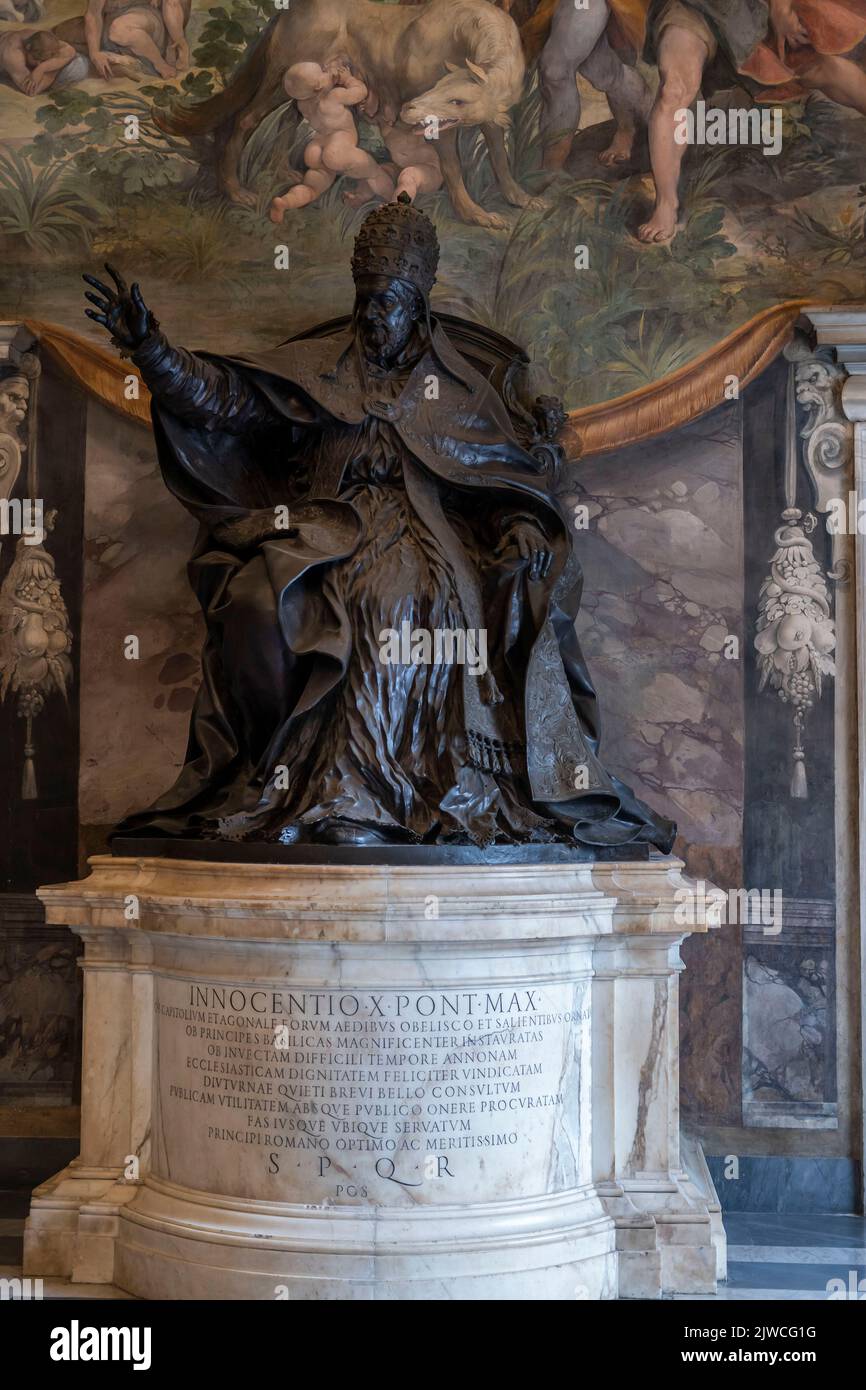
column 227, row 154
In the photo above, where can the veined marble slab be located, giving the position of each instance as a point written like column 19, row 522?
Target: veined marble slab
column 380, row 1082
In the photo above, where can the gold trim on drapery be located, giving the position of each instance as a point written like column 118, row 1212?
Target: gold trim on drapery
column 594, row 429
column 95, row 368
column 688, row 392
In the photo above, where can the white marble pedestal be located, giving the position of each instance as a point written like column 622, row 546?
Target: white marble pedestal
column 379, row 1083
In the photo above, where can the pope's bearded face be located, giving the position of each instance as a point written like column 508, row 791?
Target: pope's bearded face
column 386, row 312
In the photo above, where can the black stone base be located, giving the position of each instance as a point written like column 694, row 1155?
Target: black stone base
column 264, row 852
column 28, row 1160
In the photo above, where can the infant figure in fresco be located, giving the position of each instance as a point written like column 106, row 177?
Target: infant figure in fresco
column 35, row 59
column 412, row 156
column 325, row 97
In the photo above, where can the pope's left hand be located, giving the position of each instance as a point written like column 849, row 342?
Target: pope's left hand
column 532, row 546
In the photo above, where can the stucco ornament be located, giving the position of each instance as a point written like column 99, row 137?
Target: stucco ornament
column 35, row 640
column 795, row 636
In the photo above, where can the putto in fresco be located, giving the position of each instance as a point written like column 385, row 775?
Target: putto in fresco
column 482, row 113
column 775, row 50
column 388, row 582
column 456, row 63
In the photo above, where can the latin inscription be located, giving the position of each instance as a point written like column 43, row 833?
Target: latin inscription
column 344, row 1096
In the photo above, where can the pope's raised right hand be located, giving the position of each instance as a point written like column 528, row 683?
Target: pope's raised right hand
column 122, row 311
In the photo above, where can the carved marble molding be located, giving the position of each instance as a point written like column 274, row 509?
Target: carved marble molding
column 828, row 437
column 789, row 1020
column 796, row 630
column 844, row 332
column 568, row 1183
column 35, row 636
column 19, row 367
column 35, row 642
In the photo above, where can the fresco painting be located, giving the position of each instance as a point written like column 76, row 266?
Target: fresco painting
column 616, row 186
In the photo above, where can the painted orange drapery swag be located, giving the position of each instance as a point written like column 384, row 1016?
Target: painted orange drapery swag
column 594, row 429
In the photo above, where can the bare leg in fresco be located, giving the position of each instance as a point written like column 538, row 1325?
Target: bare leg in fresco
column 839, row 79
column 142, row 33
column 156, row 33
column 176, row 14
column 682, row 56
column 628, row 97
column 414, row 157
column 577, row 43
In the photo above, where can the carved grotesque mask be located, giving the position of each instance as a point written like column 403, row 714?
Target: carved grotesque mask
column 14, row 395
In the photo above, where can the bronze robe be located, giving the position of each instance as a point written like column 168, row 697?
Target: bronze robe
column 287, row 728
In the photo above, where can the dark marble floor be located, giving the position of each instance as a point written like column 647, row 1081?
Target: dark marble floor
column 13, row 1209
column 797, row 1255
